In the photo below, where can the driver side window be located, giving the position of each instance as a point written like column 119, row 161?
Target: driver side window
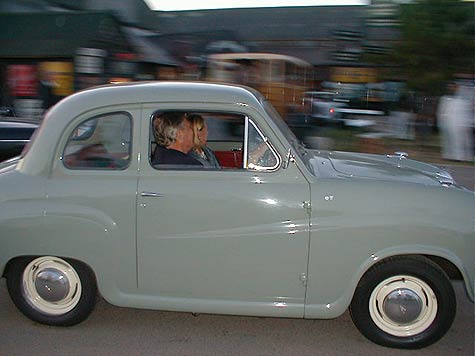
column 196, row 140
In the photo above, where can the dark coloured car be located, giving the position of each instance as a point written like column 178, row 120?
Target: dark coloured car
column 14, row 135
column 6, row 111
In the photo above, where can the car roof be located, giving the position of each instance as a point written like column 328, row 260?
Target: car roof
column 136, row 93
column 144, row 92
column 151, row 92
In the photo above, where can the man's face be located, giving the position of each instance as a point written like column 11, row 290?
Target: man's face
column 185, row 136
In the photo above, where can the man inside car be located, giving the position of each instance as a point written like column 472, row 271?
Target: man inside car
column 174, row 137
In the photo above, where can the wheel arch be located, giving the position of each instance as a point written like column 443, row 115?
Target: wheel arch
column 13, row 260
column 404, row 301
column 447, row 261
column 447, row 266
column 52, row 290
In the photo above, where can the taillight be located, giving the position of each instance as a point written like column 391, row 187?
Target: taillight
column 332, row 110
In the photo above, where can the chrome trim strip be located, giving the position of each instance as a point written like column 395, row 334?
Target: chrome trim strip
column 246, row 137
column 14, row 141
column 400, row 155
column 152, row 195
column 276, row 155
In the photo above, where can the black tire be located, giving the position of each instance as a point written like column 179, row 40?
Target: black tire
column 71, row 299
column 426, row 293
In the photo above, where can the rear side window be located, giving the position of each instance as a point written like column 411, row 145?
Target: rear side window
column 102, row 142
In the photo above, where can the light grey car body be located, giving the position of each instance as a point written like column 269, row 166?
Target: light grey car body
column 293, row 241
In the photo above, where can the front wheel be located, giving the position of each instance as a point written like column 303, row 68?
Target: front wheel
column 51, row 290
column 404, row 302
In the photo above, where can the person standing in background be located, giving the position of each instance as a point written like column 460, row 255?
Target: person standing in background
column 455, row 118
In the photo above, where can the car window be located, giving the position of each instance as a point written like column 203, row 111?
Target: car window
column 234, row 141
column 102, row 142
column 260, row 155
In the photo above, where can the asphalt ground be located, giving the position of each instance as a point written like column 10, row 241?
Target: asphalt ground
column 114, row 331
column 463, row 175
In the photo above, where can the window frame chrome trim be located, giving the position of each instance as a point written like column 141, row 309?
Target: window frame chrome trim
column 267, row 142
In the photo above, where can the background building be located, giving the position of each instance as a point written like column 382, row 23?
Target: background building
column 88, row 42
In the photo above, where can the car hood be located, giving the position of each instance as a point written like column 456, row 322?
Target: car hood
column 395, row 167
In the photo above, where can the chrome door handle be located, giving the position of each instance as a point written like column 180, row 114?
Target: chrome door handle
column 152, row 195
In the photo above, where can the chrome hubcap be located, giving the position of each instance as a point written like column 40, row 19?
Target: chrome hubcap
column 51, row 285
column 403, row 306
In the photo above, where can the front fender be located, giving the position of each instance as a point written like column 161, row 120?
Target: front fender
column 356, row 223
column 468, row 274
column 335, row 308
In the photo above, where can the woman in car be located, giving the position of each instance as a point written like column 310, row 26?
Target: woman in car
column 200, row 151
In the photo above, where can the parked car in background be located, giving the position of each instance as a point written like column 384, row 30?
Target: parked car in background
column 6, row 111
column 325, row 106
column 14, row 135
column 277, row 231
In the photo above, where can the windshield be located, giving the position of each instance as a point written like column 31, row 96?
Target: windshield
column 297, row 145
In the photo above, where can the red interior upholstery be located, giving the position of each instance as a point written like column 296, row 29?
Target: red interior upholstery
column 229, row 159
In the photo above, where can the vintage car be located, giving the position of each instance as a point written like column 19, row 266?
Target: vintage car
column 292, row 233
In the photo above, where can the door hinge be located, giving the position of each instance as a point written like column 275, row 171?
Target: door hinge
column 307, row 205
column 303, row 279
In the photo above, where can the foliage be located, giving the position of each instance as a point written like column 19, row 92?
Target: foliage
column 437, row 42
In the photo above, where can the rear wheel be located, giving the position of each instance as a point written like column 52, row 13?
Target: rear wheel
column 52, row 290
column 404, row 302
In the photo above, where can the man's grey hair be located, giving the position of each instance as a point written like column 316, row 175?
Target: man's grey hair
column 166, row 125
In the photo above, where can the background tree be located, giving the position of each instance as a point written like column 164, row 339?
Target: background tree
column 437, row 42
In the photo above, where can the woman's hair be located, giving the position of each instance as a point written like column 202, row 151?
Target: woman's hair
column 166, row 125
column 197, row 124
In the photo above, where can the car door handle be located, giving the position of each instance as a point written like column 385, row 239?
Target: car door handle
column 152, row 195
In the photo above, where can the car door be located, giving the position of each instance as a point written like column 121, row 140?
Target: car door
column 224, row 241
